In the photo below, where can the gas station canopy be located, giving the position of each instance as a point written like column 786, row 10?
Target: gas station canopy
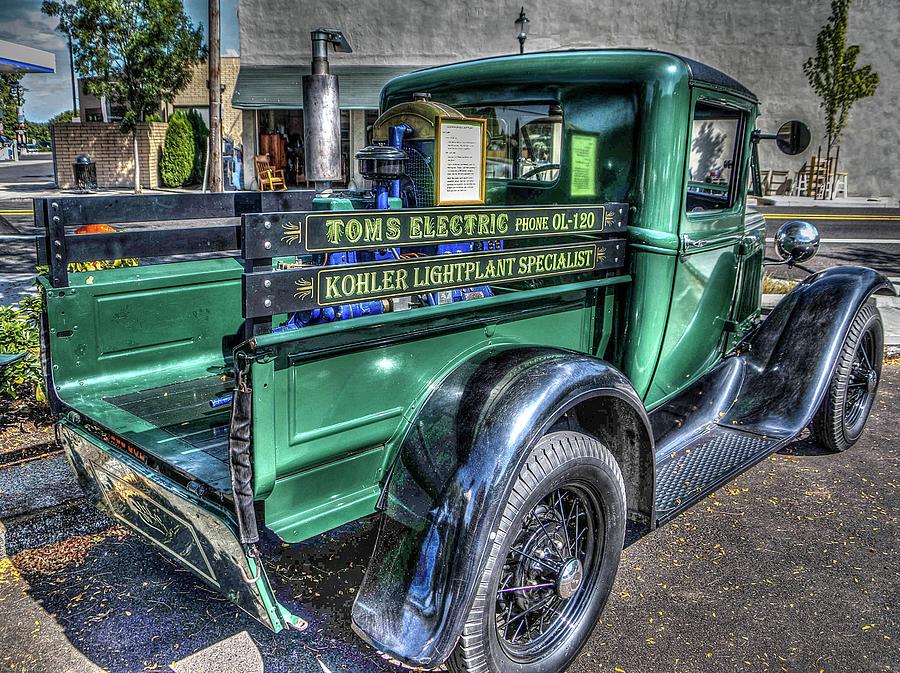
column 22, row 59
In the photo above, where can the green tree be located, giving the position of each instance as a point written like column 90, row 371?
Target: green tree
column 62, row 117
column 9, row 104
column 37, row 131
column 833, row 75
column 201, row 133
column 136, row 52
column 177, row 159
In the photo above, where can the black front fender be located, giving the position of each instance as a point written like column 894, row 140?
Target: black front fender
column 451, row 480
column 790, row 360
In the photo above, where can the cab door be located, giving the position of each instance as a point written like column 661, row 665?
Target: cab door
column 711, row 237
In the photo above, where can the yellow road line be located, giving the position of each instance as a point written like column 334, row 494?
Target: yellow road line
column 820, row 216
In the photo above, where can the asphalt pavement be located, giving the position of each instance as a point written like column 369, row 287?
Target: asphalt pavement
column 791, row 567
column 863, row 236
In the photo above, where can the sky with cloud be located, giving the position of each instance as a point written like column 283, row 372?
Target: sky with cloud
column 21, row 21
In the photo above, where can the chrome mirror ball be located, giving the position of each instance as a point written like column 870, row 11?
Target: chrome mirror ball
column 796, row 241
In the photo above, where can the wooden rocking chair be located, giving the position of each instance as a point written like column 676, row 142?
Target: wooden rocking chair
column 270, row 179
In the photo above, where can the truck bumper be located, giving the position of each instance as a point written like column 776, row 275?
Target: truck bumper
column 199, row 535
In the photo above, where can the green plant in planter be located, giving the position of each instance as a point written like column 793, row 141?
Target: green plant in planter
column 19, row 333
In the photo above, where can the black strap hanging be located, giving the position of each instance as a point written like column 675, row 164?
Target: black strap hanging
column 239, row 456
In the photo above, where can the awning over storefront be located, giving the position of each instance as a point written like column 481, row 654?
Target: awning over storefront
column 22, row 59
column 274, row 87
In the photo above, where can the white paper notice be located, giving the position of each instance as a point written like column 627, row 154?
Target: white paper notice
column 461, row 162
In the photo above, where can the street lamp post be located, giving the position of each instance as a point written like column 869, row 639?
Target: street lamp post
column 522, row 30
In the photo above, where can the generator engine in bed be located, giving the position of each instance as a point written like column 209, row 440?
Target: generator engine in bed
column 400, row 166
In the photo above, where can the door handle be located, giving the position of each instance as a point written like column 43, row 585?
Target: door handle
column 691, row 243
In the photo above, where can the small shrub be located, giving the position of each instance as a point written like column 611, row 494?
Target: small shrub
column 201, row 133
column 178, row 152
column 773, row 285
column 19, row 333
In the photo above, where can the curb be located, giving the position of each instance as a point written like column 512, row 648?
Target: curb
column 28, row 453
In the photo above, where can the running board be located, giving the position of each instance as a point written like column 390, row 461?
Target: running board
column 710, row 460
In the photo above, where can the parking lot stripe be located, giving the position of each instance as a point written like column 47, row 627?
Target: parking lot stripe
column 825, row 216
column 891, row 241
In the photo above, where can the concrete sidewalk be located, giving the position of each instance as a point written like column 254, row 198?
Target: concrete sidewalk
column 785, row 201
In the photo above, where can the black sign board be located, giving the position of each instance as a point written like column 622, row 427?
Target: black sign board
column 283, row 234
column 270, row 292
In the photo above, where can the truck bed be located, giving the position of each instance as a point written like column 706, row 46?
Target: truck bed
column 193, row 437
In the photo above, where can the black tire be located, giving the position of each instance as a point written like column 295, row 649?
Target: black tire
column 842, row 415
column 570, row 471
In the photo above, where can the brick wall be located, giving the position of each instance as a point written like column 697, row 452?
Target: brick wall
column 196, row 95
column 111, row 150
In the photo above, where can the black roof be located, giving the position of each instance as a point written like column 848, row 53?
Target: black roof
column 700, row 72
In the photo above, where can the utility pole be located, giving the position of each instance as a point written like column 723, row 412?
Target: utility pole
column 215, row 95
column 72, row 68
column 67, row 24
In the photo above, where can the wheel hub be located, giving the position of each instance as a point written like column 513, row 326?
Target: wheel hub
column 569, row 579
column 871, row 381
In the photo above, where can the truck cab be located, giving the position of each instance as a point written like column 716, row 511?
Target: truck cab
column 535, row 339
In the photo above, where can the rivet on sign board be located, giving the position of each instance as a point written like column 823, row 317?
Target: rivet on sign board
column 267, row 224
column 268, row 245
column 267, row 303
column 267, row 283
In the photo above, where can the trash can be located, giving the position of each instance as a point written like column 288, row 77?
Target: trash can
column 84, row 171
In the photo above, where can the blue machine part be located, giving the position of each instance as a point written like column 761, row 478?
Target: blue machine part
column 220, row 401
column 395, row 139
column 453, row 296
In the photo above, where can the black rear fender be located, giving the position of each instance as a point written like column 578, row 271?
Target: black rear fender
column 452, row 478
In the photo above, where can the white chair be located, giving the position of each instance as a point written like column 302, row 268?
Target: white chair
column 838, row 186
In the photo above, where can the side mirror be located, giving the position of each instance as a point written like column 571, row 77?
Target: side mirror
column 793, row 137
column 796, row 242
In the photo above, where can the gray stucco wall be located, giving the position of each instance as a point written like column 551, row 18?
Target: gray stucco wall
column 762, row 43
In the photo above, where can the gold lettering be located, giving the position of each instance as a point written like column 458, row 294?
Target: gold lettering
column 333, row 230
column 393, row 228
column 415, row 227
column 331, row 287
column 456, row 226
column 348, row 285
column 373, row 229
column 353, row 230
column 428, row 230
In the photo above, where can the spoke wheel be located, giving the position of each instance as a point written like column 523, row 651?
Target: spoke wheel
column 841, row 417
column 551, row 562
column 542, row 585
column 863, row 380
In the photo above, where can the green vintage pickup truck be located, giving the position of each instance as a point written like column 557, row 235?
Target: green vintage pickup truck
column 534, row 339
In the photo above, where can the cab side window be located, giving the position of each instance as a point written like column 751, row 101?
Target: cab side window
column 714, row 167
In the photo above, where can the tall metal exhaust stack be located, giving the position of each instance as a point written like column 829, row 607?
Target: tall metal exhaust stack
column 321, row 111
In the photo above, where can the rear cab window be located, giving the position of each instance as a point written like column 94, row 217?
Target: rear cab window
column 524, row 141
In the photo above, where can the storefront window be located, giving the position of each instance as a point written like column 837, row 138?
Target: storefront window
column 281, row 137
